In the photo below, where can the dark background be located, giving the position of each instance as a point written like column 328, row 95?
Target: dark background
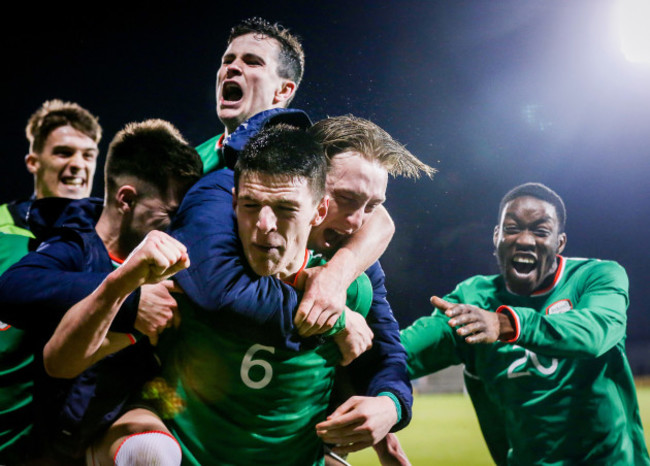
column 491, row 93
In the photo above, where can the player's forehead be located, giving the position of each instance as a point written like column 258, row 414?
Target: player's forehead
column 253, row 44
column 68, row 136
column 529, row 209
column 273, row 188
column 357, row 175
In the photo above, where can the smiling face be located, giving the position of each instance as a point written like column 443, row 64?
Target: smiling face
column 356, row 186
column 248, row 81
column 66, row 165
column 274, row 217
column 527, row 241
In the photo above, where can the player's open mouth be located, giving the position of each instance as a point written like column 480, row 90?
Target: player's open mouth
column 523, row 264
column 332, row 237
column 73, row 181
column 231, row 92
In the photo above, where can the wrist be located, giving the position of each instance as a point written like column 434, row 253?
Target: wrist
column 508, row 324
column 343, row 267
column 396, row 404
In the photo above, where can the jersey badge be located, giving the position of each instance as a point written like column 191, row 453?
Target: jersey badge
column 559, row 307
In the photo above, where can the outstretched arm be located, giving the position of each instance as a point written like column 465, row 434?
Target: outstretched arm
column 37, row 291
column 474, row 324
column 80, row 340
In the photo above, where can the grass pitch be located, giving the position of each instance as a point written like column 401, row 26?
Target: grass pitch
column 444, row 431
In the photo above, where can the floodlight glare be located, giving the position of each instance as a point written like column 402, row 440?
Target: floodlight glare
column 634, row 29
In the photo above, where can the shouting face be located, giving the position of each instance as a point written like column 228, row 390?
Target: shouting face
column 356, row 186
column 248, row 81
column 527, row 241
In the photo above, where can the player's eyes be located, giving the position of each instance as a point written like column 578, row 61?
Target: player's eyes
column 371, row 208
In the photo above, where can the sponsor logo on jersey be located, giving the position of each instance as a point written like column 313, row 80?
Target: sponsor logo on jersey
column 559, row 307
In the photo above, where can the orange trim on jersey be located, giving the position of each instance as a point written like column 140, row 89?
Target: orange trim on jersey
column 220, row 141
column 515, row 317
column 146, row 432
column 304, row 264
column 131, row 338
column 114, row 258
column 558, row 275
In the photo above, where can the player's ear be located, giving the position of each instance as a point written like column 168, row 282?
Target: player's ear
column 234, row 199
column 284, row 93
column 495, row 237
column 125, row 198
column 32, row 162
column 321, row 211
column 561, row 242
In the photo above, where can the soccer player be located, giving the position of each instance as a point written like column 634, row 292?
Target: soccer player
column 83, row 241
column 62, row 156
column 546, row 338
column 361, row 156
column 262, row 400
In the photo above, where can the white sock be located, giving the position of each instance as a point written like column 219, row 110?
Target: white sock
column 148, row 448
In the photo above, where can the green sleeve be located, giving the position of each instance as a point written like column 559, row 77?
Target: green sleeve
column 12, row 249
column 595, row 324
column 430, row 343
column 210, row 156
column 359, row 299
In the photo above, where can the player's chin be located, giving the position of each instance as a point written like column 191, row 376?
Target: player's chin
column 521, row 284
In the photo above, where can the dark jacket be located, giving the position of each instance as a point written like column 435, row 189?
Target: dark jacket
column 36, row 292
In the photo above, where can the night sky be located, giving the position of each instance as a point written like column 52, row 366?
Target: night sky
column 491, row 93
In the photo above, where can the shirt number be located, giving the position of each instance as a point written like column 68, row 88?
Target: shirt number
column 248, row 363
column 529, row 355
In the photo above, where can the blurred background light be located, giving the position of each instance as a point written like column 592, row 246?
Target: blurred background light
column 633, row 18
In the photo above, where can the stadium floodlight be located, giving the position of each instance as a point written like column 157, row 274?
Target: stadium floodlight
column 633, row 18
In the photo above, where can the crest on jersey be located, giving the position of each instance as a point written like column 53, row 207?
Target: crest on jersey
column 559, row 307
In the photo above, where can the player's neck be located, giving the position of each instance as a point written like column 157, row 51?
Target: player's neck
column 290, row 274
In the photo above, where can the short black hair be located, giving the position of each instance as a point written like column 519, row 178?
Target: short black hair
column 287, row 151
column 291, row 59
column 541, row 192
column 153, row 151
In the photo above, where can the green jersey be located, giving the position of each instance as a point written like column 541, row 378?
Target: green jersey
column 563, row 387
column 16, row 355
column 210, row 153
column 241, row 402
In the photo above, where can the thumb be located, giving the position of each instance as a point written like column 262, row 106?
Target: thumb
column 172, row 286
column 153, row 339
column 440, row 303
